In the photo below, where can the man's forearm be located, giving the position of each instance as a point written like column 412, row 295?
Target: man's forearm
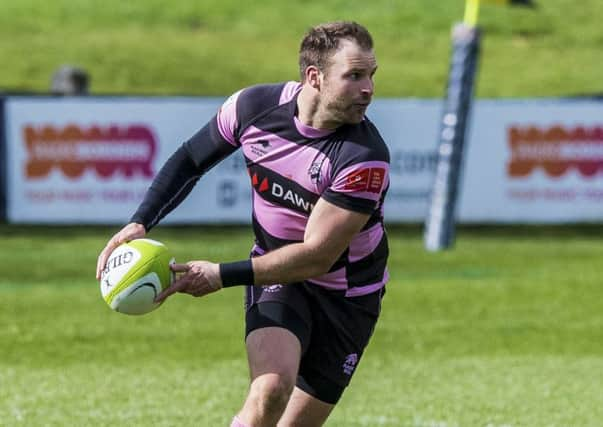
column 329, row 232
column 291, row 263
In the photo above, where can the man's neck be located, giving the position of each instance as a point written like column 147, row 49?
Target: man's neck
column 309, row 110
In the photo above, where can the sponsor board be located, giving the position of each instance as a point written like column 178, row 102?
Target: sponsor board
column 535, row 161
column 556, row 150
column 91, row 160
column 105, row 149
column 409, row 127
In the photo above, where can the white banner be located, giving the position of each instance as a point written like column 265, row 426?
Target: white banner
column 534, row 162
column 410, row 129
column 90, row 160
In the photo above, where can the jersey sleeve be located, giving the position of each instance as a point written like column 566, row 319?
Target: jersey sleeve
column 227, row 120
column 360, row 172
column 191, row 161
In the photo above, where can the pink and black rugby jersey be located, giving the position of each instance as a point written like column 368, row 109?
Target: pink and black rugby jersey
column 291, row 166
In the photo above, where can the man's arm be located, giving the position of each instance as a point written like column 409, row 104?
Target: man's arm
column 171, row 185
column 181, row 172
column 329, row 231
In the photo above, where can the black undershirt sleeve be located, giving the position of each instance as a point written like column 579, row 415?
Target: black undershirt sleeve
column 180, row 173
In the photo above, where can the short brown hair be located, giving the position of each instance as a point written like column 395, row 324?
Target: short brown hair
column 322, row 41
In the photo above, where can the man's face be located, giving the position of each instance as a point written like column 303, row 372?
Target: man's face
column 347, row 86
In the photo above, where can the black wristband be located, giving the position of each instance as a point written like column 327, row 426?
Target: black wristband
column 237, row 273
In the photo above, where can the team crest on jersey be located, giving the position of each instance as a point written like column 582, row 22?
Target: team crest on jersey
column 314, row 170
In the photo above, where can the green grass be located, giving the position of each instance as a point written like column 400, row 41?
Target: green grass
column 504, row 330
column 214, row 48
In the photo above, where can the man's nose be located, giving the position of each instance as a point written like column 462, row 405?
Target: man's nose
column 368, row 87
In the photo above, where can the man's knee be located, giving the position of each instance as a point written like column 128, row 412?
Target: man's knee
column 271, row 392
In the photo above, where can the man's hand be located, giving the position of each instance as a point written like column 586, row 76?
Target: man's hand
column 129, row 232
column 196, row 278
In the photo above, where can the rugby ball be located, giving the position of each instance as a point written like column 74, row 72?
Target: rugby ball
column 136, row 272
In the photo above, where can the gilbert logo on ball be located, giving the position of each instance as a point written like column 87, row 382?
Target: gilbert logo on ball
column 136, row 272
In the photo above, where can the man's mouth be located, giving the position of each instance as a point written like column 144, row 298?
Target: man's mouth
column 361, row 107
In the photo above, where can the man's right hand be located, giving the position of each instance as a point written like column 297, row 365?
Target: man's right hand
column 130, row 232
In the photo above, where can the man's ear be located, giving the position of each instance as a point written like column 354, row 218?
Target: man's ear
column 314, row 77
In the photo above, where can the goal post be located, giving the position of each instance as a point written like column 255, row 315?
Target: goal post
column 440, row 221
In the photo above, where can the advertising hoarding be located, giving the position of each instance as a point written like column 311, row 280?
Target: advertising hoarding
column 90, row 160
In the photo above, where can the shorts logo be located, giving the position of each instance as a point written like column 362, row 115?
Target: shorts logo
column 367, row 179
column 272, row 288
column 350, row 363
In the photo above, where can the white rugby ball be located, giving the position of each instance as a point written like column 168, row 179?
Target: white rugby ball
column 136, row 272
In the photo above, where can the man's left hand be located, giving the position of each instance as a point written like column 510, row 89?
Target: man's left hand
column 196, row 278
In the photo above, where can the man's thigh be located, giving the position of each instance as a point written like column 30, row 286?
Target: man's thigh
column 273, row 350
column 284, row 306
column 275, row 332
column 343, row 327
column 332, row 330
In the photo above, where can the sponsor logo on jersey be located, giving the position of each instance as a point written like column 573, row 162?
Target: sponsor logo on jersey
column 263, row 186
column 104, row 149
column 367, row 179
column 282, row 192
column 291, row 196
column 260, row 147
column 555, row 150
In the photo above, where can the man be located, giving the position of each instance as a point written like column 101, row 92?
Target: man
column 319, row 171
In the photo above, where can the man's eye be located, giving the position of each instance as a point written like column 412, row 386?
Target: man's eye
column 355, row 76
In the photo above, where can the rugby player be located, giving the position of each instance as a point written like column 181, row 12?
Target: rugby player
column 317, row 271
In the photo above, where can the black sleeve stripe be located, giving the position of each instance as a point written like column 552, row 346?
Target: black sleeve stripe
column 369, row 269
column 344, row 201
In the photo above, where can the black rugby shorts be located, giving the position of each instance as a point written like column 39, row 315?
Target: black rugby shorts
column 333, row 330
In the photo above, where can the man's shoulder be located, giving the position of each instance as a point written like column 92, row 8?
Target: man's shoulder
column 256, row 100
column 365, row 137
column 267, row 94
column 264, row 90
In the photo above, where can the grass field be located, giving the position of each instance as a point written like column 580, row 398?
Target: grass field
column 214, row 48
column 504, row 330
